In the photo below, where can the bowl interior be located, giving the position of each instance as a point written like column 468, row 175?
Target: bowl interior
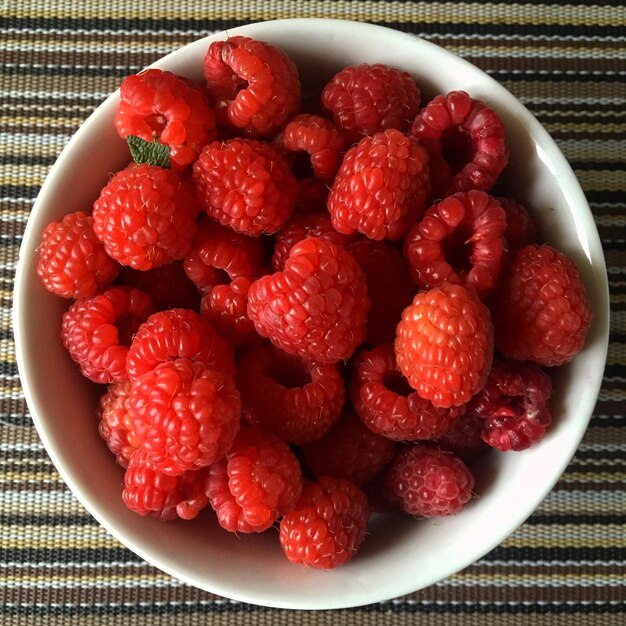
column 401, row 555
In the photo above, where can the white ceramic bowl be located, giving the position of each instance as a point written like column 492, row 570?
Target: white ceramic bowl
column 401, row 555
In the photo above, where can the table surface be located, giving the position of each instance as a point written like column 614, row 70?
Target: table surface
column 565, row 61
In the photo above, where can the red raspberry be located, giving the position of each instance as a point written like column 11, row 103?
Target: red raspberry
column 349, row 450
column 521, row 230
column 542, row 312
column 444, row 344
column 328, row 524
column 146, row 216
column 297, row 400
column 318, row 137
column 513, row 405
column 470, row 137
column 97, row 331
column 381, row 187
column 245, row 185
column 300, row 227
column 459, row 240
column 219, row 255
column 312, row 196
column 184, row 415
column 253, row 85
column 258, row 482
column 168, row 335
column 160, row 105
column 148, row 491
column 388, row 406
column 72, row 261
column 112, row 420
column 426, row 482
column 366, row 99
column 463, row 438
column 317, row 308
column 389, row 286
column 167, row 285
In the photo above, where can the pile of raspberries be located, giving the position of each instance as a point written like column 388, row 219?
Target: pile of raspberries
column 304, row 310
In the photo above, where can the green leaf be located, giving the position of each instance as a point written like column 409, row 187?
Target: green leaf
column 152, row 153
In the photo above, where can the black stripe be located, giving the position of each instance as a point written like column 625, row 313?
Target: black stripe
column 608, row 166
column 556, row 520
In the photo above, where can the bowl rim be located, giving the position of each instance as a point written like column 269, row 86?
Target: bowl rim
column 574, row 196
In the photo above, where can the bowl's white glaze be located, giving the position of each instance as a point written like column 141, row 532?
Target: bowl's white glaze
column 401, row 555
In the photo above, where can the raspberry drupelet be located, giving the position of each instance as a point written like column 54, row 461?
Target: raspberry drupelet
column 465, row 137
column 157, row 104
column 381, row 187
column 513, row 405
column 317, row 307
column 112, row 421
column 521, row 229
column 257, row 482
column 319, row 139
column 253, row 85
column 246, row 185
column 542, row 311
column 369, row 98
column 176, row 333
column 444, row 344
column 386, row 403
column 349, row 450
column 327, row 525
column 149, row 492
column 389, row 286
column 183, row 415
column 72, row 260
column 464, row 437
column 146, row 216
column 297, row 400
column 97, row 331
column 427, row 482
column 459, row 240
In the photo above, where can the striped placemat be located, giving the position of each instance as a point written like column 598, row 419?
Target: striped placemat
column 565, row 61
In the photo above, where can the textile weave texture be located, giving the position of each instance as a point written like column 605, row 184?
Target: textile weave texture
column 565, row 61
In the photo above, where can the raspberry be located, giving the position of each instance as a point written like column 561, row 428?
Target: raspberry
column 145, row 216
column 388, row 406
column 521, row 230
column 253, row 85
column 464, row 437
column 469, row 136
column 426, row 482
column 220, row 255
column 72, row 261
column 312, row 196
column 97, row 331
column 328, row 524
column 246, row 185
column 168, row 335
column 295, row 399
column 542, row 312
column 300, row 227
column 459, row 240
column 389, row 286
column 366, row 99
column 349, row 450
column 258, row 482
column 167, row 285
column 381, row 187
column 444, row 344
column 156, row 104
column 317, row 307
column 184, row 415
column 318, row 137
column 513, row 405
column 112, row 421
column 150, row 492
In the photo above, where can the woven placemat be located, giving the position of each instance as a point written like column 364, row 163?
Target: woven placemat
column 565, row 61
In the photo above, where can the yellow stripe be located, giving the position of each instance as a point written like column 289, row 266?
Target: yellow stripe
column 431, row 13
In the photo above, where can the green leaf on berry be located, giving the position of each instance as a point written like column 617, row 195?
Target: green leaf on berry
column 152, row 153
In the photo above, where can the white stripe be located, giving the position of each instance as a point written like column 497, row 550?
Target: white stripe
column 540, row 563
column 468, row 580
column 56, row 95
column 100, row 584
